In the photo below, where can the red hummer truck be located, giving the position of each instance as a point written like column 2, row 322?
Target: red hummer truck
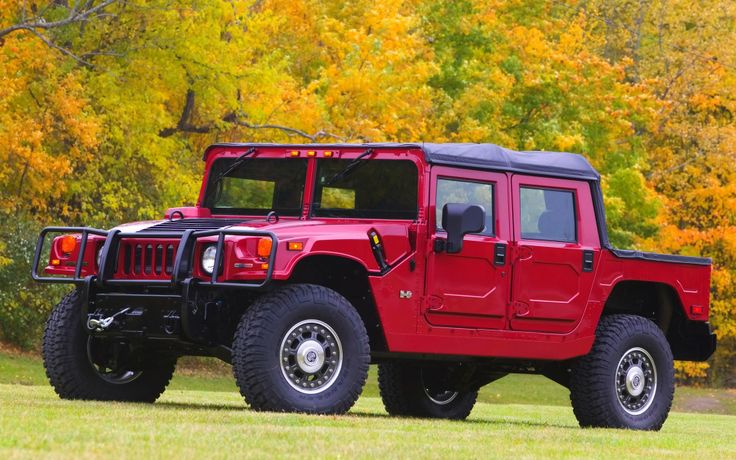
column 448, row 265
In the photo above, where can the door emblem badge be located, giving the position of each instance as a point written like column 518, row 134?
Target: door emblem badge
column 404, row 294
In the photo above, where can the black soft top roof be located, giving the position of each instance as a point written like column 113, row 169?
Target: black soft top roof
column 476, row 156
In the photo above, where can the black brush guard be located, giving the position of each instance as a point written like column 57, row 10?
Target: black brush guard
column 183, row 262
column 176, row 293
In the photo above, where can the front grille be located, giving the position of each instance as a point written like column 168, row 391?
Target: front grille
column 179, row 225
column 146, row 259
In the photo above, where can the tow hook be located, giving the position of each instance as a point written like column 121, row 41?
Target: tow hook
column 100, row 325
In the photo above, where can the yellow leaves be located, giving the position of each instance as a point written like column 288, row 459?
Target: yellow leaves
column 690, row 370
column 566, row 142
column 532, row 41
column 3, row 259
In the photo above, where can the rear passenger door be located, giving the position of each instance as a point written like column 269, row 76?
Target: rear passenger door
column 556, row 250
column 469, row 289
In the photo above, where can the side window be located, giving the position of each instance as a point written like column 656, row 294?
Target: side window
column 460, row 191
column 547, row 214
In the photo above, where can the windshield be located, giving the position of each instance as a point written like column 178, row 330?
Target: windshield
column 376, row 189
column 257, row 187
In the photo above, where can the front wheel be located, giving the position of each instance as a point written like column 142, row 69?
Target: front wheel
column 303, row 348
column 80, row 366
column 627, row 379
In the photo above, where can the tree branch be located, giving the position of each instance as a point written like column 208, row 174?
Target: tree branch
column 75, row 16
column 321, row 134
column 63, row 50
column 185, row 124
column 37, row 23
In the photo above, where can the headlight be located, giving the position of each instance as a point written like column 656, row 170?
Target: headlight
column 208, row 259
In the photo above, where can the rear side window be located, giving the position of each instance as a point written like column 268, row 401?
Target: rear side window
column 466, row 192
column 547, row 214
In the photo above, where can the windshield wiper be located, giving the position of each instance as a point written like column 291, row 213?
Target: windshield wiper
column 347, row 170
column 237, row 163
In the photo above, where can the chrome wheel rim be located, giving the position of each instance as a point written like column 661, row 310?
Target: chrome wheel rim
column 438, row 396
column 636, row 381
column 311, row 356
column 110, row 371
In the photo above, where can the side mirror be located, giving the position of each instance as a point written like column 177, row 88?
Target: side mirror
column 458, row 220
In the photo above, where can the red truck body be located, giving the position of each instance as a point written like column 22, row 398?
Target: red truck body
column 540, row 304
column 531, row 288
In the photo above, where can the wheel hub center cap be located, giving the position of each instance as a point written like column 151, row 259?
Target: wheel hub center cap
column 310, row 356
column 635, row 381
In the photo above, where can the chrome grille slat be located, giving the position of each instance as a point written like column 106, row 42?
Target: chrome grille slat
column 144, row 258
column 138, row 257
column 169, row 259
column 158, row 258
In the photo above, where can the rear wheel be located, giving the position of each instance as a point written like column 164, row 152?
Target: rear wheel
column 627, row 379
column 423, row 391
column 80, row 366
column 302, row 348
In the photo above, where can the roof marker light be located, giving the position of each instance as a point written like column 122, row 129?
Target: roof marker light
column 311, row 153
column 294, row 153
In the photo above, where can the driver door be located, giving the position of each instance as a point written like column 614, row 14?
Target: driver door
column 469, row 289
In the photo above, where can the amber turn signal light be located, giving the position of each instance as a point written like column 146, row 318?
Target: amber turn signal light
column 68, row 244
column 295, row 246
column 264, row 247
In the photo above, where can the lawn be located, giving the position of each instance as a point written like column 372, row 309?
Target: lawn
column 202, row 415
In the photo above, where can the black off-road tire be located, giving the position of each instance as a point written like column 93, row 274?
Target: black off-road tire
column 73, row 376
column 597, row 378
column 403, row 393
column 273, row 320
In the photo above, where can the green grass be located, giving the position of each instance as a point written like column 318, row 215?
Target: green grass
column 204, row 416
column 210, row 375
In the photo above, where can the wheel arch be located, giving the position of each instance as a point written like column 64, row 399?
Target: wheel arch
column 350, row 279
column 660, row 303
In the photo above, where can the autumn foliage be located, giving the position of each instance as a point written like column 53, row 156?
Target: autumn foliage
column 103, row 118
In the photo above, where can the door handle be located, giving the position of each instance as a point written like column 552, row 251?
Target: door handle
column 499, row 254
column 588, row 259
column 524, row 253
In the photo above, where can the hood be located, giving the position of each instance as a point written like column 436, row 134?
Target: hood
column 322, row 236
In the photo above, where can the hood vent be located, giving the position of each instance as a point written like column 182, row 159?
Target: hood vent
column 179, row 225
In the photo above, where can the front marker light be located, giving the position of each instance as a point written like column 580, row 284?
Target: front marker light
column 264, row 247
column 68, row 244
column 208, row 259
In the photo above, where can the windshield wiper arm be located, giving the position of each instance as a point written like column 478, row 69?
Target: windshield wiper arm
column 237, row 163
column 348, row 169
